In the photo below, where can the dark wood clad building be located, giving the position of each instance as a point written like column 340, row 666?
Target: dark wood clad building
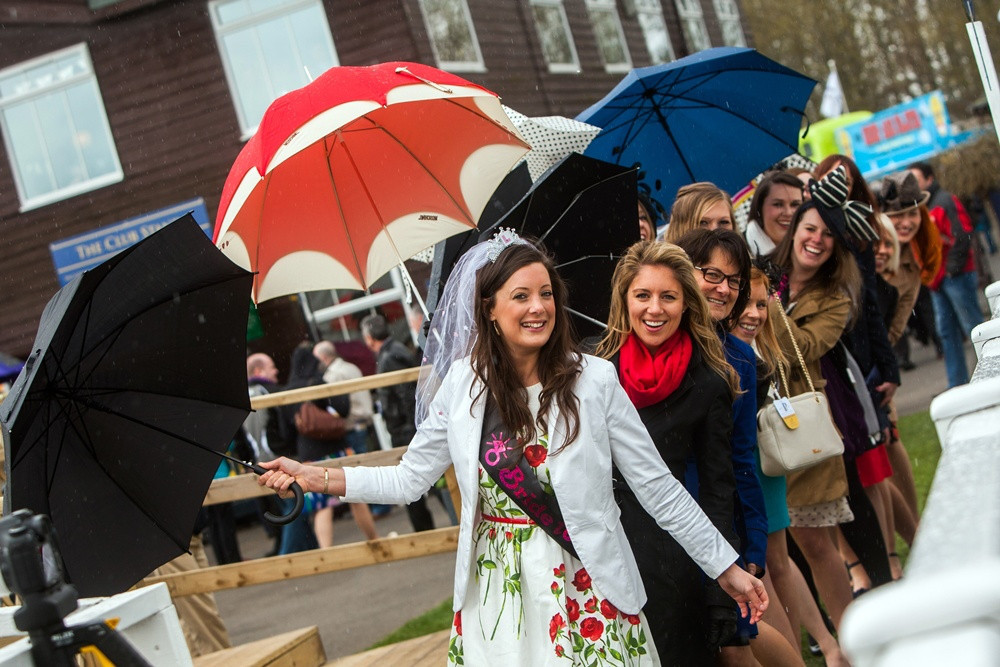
column 111, row 110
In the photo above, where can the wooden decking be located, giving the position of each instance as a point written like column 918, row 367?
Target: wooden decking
column 427, row 651
column 298, row 648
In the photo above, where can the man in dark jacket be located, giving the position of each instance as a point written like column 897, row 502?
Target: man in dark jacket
column 954, row 294
column 397, row 403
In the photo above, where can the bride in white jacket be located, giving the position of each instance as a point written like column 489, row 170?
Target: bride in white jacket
column 544, row 571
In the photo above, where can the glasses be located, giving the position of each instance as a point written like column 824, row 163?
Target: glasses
column 716, row 277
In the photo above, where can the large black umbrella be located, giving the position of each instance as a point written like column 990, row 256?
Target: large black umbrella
column 135, row 383
column 584, row 211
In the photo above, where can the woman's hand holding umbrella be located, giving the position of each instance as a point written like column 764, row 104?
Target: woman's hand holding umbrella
column 746, row 589
column 282, row 472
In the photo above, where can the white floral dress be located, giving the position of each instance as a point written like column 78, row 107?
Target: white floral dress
column 529, row 602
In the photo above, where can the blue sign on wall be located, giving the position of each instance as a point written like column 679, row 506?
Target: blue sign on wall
column 76, row 254
column 893, row 138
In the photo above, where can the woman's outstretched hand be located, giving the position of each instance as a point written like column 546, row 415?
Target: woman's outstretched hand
column 281, row 472
column 746, row 589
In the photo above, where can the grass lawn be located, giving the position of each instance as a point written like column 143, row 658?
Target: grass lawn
column 919, row 437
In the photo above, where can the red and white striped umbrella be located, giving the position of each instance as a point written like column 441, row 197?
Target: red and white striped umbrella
column 359, row 170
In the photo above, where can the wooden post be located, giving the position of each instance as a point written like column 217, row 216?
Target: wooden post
column 456, row 495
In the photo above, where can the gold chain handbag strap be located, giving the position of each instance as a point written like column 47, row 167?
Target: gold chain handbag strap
column 798, row 354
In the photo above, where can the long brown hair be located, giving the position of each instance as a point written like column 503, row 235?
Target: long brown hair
column 559, row 363
column 696, row 320
column 764, row 188
column 839, row 273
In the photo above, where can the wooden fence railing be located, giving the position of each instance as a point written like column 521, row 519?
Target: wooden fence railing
column 317, row 561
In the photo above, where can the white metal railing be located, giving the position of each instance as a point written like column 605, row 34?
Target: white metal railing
column 946, row 610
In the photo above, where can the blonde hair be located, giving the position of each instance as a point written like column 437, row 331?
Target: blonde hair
column 690, row 205
column 768, row 348
column 887, row 229
column 696, row 320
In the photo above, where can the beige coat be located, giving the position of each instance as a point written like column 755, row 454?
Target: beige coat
column 907, row 282
column 817, row 321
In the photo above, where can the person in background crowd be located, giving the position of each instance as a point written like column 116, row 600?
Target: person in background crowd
column 818, row 283
column 722, row 270
column 521, row 414
column 891, row 302
column 650, row 216
column 397, row 402
column 263, row 433
column 792, row 603
column 775, row 200
column 954, row 292
column 335, row 369
column 699, row 206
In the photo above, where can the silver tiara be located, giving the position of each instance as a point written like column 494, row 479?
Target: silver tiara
column 503, row 239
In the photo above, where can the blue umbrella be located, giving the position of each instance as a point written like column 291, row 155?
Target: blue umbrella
column 721, row 115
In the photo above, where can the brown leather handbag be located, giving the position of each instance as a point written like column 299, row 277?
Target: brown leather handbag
column 314, row 422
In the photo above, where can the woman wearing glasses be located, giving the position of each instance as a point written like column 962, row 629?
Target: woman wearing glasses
column 722, row 268
column 670, row 362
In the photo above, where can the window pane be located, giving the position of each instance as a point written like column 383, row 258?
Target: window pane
column 654, row 29
column 28, row 151
column 553, row 34
column 253, row 89
column 228, row 12
column 609, row 39
column 312, row 41
column 92, row 138
column 56, row 124
column 271, row 52
column 449, row 29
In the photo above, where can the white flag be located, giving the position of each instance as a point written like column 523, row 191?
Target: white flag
column 833, row 97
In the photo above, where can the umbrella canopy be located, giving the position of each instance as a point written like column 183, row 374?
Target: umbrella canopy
column 720, row 115
column 359, row 170
column 136, row 380
column 552, row 138
column 584, row 211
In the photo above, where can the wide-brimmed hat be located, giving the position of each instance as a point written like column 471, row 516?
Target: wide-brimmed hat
column 900, row 192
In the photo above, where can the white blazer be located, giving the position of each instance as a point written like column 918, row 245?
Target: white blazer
column 610, row 431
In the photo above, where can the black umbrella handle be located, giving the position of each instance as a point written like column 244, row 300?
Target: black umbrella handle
column 294, row 513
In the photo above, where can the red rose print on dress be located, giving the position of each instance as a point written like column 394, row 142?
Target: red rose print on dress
column 591, row 629
column 631, row 618
column 555, row 626
column 458, row 623
column 559, row 571
column 535, row 454
column 582, row 580
column 573, row 610
column 560, row 650
column 608, row 610
column 590, row 605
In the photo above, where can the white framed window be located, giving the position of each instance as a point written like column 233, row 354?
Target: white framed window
column 729, row 21
column 55, row 128
column 693, row 24
column 610, row 36
column 453, row 35
column 654, row 30
column 555, row 36
column 270, row 47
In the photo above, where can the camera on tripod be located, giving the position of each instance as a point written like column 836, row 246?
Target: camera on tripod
column 31, row 568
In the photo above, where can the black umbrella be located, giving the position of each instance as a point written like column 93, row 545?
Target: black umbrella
column 135, row 384
column 584, row 211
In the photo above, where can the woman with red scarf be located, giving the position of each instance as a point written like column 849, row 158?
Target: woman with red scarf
column 671, row 364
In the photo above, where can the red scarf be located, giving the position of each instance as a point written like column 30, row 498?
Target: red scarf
column 648, row 378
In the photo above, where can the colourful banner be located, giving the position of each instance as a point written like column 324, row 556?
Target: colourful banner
column 891, row 139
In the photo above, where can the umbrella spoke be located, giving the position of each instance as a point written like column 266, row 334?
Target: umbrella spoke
column 588, row 318
column 338, row 140
column 610, row 256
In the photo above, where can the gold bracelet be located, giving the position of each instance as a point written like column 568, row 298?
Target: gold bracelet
column 326, row 480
